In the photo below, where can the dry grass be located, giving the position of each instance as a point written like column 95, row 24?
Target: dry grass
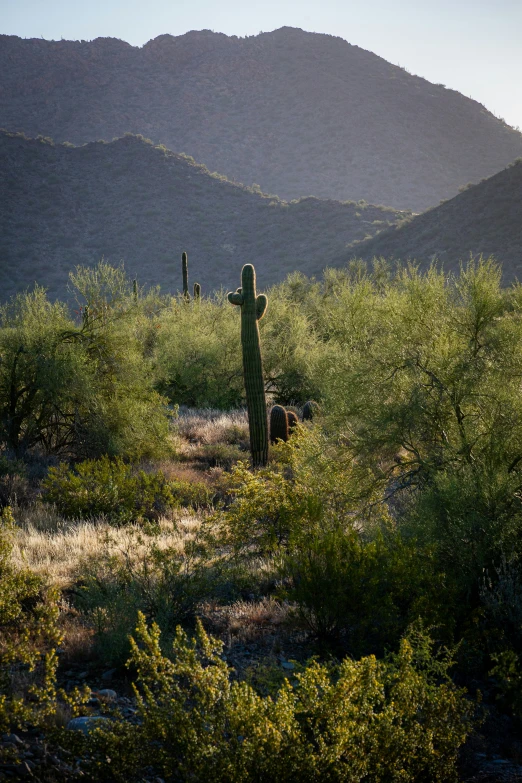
column 57, row 553
column 209, row 426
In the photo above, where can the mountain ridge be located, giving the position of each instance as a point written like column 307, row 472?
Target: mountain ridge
column 62, row 205
column 299, row 113
column 484, row 219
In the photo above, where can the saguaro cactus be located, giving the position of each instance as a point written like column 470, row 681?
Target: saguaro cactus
column 184, row 269
column 135, row 290
column 310, row 408
column 197, row 291
column 278, row 424
column 253, row 309
column 292, row 421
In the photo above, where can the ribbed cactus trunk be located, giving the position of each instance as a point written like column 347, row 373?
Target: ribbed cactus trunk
column 278, row 424
column 252, row 310
column 197, row 291
column 135, row 290
column 292, row 421
column 184, row 269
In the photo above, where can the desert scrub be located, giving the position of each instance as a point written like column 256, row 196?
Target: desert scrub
column 397, row 720
column 139, row 571
column 263, row 509
column 29, row 638
column 112, row 489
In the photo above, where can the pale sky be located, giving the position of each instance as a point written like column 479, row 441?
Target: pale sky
column 474, row 46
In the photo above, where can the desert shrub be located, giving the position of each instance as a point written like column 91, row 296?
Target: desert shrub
column 29, row 638
column 192, row 494
column 108, row 488
column 263, row 509
column 222, row 455
column 198, row 361
column 13, row 481
column 77, row 391
column 399, row 719
column 358, row 592
column 290, row 352
column 134, row 575
column 431, row 405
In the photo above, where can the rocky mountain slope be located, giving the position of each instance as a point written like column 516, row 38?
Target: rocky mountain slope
column 298, row 113
column 484, row 219
column 62, row 205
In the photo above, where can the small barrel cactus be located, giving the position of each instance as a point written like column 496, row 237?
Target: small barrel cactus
column 310, row 409
column 278, row 424
column 253, row 309
column 292, row 421
column 184, row 269
column 197, row 291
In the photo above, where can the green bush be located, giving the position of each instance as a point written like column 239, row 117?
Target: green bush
column 400, row 719
column 29, row 637
column 79, row 391
column 362, row 593
column 137, row 574
column 108, row 488
column 192, row 494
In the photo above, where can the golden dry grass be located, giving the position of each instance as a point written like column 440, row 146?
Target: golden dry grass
column 209, row 426
column 57, row 553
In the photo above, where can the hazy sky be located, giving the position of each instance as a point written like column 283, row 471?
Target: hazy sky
column 474, row 46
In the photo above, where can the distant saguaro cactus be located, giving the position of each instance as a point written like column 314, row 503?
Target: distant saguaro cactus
column 310, row 408
column 135, row 290
column 253, row 309
column 278, row 424
column 197, row 291
column 184, row 269
column 292, row 421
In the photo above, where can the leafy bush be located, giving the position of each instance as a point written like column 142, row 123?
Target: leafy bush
column 192, row 494
column 363, row 593
column 264, row 507
column 138, row 575
column 29, row 637
column 108, row 488
column 77, row 391
column 400, row 719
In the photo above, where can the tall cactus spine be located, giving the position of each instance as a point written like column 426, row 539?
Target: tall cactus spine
column 253, row 309
column 278, row 424
column 184, row 270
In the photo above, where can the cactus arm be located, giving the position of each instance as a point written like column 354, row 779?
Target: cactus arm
column 235, row 299
column 261, row 305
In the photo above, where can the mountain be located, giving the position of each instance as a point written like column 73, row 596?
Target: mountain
column 485, row 218
column 298, row 113
column 62, row 205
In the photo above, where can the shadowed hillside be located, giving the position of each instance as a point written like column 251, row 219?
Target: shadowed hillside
column 298, row 113
column 484, row 218
column 62, row 205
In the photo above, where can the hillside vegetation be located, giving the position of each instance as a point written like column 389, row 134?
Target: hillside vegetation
column 298, row 113
column 129, row 200
column 485, row 218
column 278, row 616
